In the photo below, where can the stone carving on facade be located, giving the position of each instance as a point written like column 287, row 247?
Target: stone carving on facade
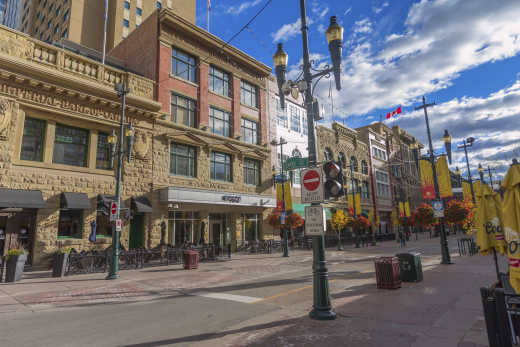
column 6, row 110
column 141, row 145
column 140, row 87
column 15, row 45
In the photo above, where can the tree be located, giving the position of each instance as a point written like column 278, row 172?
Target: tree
column 338, row 221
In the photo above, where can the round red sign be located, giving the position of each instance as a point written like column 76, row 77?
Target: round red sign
column 114, row 208
column 311, row 180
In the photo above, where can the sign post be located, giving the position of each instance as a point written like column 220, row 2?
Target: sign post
column 312, row 187
column 113, row 211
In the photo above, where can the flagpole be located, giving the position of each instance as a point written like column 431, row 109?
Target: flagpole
column 105, row 31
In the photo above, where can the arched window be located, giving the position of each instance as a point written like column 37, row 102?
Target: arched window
column 296, row 153
column 328, row 154
column 342, row 160
column 364, row 190
column 353, row 162
column 364, row 167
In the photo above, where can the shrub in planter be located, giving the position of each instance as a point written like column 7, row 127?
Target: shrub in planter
column 15, row 259
column 60, row 263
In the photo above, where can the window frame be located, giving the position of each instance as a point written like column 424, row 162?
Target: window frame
column 228, row 166
column 79, row 234
column 191, row 62
column 191, row 157
column 103, row 147
column 295, row 119
column 253, row 130
column 191, row 110
column 248, row 94
column 42, row 138
column 281, row 115
column 213, row 111
column 86, row 145
column 225, row 81
column 255, row 166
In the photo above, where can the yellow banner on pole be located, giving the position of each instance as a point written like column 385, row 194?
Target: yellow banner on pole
column 443, row 176
column 401, row 209
column 358, row 203
column 350, row 201
column 476, row 189
column 279, row 196
column 466, row 193
column 428, row 189
column 288, row 197
column 407, row 209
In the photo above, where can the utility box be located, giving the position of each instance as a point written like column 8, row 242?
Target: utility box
column 410, row 267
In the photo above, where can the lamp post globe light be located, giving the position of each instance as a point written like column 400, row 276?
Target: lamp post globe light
column 322, row 309
column 431, row 157
column 121, row 90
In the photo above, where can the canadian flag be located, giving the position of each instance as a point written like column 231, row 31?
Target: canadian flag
column 393, row 113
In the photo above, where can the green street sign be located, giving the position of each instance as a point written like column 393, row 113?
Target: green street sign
column 296, row 163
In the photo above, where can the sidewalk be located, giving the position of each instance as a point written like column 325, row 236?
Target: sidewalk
column 443, row 310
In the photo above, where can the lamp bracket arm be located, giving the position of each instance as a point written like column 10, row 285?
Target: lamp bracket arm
column 323, row 72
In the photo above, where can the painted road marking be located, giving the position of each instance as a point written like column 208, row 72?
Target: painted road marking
column 292, row 291
column 229, row 297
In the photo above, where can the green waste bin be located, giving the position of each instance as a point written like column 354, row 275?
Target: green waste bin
column 410, row 267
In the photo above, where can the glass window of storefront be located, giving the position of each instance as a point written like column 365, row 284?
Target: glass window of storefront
column 70, row 224
column 183, row 227
column 70, row 146
column 33, row 139
column 251, row 227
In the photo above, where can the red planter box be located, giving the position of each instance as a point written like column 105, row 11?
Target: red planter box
column 191, row 260
column 387, row 273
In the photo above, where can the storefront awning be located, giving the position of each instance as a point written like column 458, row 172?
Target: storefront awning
column 300, row 209
column 104, row 201
column 19, row 198
column 141, row 205
column 75, row 201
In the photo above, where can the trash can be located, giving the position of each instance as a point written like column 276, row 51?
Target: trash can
column 410, row 267
column 387, row 273
column 191, row 260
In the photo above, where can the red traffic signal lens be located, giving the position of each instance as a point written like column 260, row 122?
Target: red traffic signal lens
column 332, row 169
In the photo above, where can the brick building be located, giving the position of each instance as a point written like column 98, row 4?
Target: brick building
column 57, row 109
column 212, row 165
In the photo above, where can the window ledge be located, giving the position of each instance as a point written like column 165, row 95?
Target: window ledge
column 183, row 80
column 220, row 95
column 251, row 107
column 183, row 177
column 61, row 167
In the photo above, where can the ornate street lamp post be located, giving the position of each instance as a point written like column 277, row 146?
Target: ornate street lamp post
column 322, row 308
column 121, row 90
column 447, row 143
column 465, row 144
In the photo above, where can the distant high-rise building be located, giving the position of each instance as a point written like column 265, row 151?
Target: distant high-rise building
column 10, row 12
column 82, row 21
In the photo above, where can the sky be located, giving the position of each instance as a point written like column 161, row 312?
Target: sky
column 461, row 54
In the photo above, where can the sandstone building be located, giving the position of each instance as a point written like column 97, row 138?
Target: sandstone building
column 212, row 178
column 57, row 109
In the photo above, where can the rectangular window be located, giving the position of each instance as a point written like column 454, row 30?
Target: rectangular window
column 304, row 123
column 70, row 224
column 251, row 227
column 219, row 81
column 159, row 5
column 183, row 111
column 281, row 114
column 252, row 172
column 33, row 139
column 250, row 131
column 295, row 119
column 103, row 225
column 66, row 16
column 248, row 94
column 382, row 184
column 65, row 34
column 183, row 65
column 221, row 167
column 103, row 152
column 58, row 10
column 364, row 190
column 183, row 160
column 70, row 146
column 219, row 122
column 126, row 23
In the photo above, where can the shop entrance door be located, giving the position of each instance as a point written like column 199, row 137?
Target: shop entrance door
column 137, row 232
column 216, row 233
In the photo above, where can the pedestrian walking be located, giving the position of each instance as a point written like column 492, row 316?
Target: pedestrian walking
column 402, row 238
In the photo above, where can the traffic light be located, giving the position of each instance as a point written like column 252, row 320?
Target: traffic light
column 333, row 180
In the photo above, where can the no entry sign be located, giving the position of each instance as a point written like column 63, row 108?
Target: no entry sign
column 312, row 189
column 113, row 210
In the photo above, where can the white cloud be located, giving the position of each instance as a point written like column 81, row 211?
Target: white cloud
column 377, row 10
column 244, row 6
column 363, row 26
column 321, row 29
column 347, row 11
column 287, row 31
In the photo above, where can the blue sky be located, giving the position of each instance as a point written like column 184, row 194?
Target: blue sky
column 462, row 54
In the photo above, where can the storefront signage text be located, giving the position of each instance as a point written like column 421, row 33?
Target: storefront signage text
column 232, row 198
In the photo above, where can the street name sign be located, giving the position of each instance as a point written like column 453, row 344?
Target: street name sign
column 314, row 220
column 113, row 211
column 296, row 163
column 438, row 208
column 312, row 187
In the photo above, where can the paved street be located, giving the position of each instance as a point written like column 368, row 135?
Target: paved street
column 257, row 300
